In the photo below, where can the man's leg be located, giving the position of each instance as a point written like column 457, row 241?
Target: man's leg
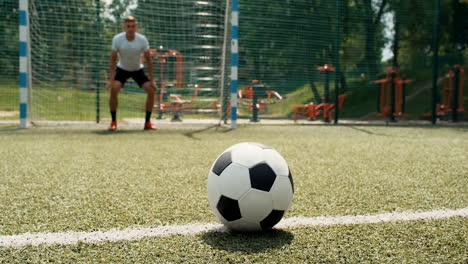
column 115, row 87
column 150, row 92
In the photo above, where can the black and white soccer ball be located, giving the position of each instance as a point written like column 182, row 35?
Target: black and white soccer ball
column 250, row 187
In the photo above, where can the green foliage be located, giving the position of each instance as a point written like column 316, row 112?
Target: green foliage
column 283, row 42
column 416, row 20
column 66, row 34
column 9, row 38
column 460, row 24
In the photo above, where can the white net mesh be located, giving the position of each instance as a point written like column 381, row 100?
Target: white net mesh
column 71, row 43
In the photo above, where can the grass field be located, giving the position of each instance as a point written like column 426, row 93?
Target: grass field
column 58, row 101
column 54, row 180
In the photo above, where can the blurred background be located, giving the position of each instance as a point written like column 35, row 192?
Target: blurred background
column 307, row 57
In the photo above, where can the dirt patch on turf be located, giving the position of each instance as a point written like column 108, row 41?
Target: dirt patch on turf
column 8, row 113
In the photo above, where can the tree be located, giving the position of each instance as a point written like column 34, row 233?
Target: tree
column 65, row 38
column 372, row 20
column 285, row 42
column 414, row 26
column 460, row 27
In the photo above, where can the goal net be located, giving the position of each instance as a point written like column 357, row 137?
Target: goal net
column 308, row 59
column 70, row 50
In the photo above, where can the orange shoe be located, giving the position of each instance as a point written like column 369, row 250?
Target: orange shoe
column 113, row 126
column 150, row 126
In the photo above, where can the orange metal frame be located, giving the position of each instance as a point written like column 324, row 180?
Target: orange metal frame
column 313, row 110
column 326, row 67
column 179, row 65
column 447, row 92
column 176, row 103
column 386, row 93
column 248, row 93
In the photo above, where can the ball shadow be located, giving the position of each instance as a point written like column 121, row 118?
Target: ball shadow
column 248, row 242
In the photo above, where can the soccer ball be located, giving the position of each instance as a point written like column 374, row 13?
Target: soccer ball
column 250, row 187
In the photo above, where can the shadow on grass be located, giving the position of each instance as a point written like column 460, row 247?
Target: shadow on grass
column 367, row 129
column 190, row 133
column 121, row 132
column 248, row 242
column 217, row 128
column 9, row 129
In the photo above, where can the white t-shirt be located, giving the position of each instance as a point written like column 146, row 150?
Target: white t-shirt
column 130, row 51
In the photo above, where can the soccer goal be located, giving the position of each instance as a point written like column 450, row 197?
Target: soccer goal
column 292, row 61
column 65, row 48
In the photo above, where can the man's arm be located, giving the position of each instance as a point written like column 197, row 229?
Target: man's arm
column 112, row 65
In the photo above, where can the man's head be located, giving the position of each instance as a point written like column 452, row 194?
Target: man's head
column 130, row 25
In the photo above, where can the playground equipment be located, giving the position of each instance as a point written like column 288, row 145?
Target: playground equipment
column 254, row 98
column 176, row 104
column 171, row 102
column 391, row 94
column 312, row 110
column 162, row 56
column 452, row 94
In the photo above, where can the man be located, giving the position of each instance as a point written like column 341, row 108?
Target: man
column 128, row 46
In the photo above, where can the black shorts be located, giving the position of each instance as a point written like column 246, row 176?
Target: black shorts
column 139, row 76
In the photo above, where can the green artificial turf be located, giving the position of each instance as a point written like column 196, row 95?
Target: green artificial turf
column 436, row 241
column 86, row 180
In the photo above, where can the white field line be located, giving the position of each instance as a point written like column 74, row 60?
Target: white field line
column 66, row 238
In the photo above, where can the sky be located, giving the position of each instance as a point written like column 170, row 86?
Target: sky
column 389, row 33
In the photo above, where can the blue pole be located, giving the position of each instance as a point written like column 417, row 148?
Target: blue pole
column 23, row 61
column 234, row 60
